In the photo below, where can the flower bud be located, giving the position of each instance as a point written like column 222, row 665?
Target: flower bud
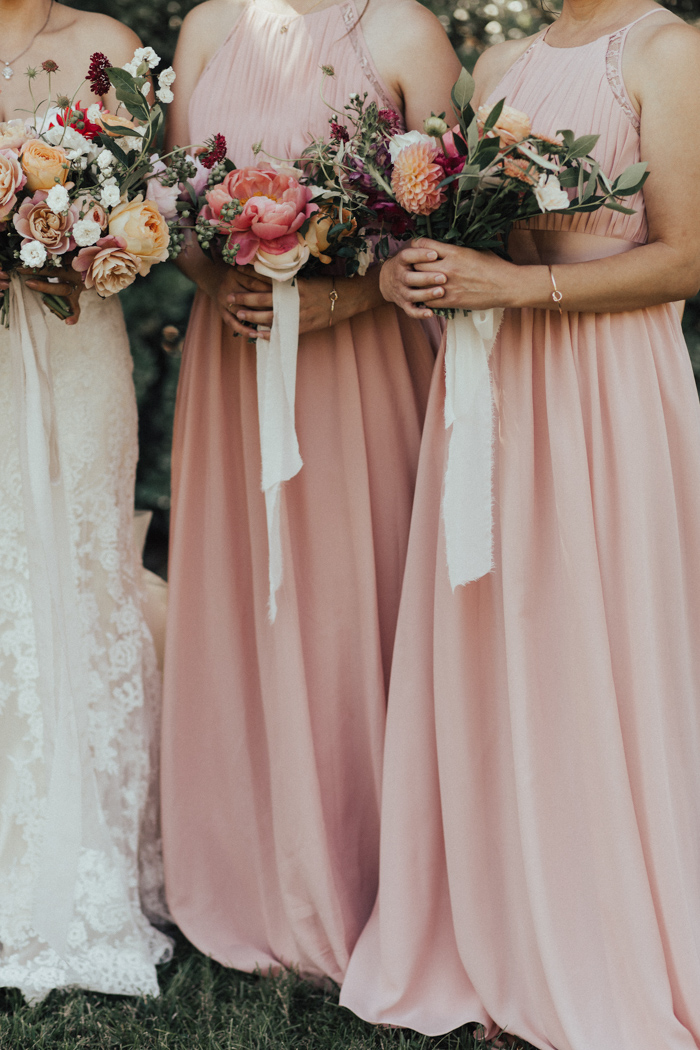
column 435, row 126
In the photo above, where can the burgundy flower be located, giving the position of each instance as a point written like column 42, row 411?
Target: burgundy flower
column 339, row 133
column 215, row 153
column 49, row 66
column 97, row 74
column 391, row 119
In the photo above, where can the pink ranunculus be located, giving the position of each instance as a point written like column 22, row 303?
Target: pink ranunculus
column 275, row 206
column 34, row 221
column 12, row 179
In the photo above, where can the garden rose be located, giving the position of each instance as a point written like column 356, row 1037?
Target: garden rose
column 107, row 267
column 511, row 126
column 108, row 122
column 283, row 266
column 550, row 196
column 416, row 179
column 275, row 206
column 35, row 221
column 88, row 208
column 14, row 134
column 12, row 179
column 144, row 230
column 44, row 165
column 316, row 236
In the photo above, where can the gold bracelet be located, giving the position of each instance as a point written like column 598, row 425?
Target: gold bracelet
column 333, row 296
column 556, row 294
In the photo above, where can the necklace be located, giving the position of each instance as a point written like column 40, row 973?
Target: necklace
column 8, row 72
column 300, row 14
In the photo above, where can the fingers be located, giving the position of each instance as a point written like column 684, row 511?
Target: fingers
column 44, row 288
column 250, row 281
column 414, row 256
column 249, row 300
column 425, row 244
column 424, row 279
column 258, row 317
column 420, row 313
column 239, row 327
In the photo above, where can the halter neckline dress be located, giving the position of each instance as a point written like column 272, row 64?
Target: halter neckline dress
column 273, row 733
column 540, row 845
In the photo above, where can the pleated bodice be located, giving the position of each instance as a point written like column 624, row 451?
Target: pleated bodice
column 256, row 87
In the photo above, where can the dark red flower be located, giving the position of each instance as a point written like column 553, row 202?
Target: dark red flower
column 97, row 73
column 215, row 153
column 49, row 66
column 391, row 118
column 339, row 133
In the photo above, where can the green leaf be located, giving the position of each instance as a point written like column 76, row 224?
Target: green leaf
column 581, row 147
column 473, row 135
column 631, row 179
column 614, row 206
column 462, row 92
column 568, row 138
column 540, row 162
column 494, row 115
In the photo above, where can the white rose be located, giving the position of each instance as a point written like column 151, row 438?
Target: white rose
column 132, row 67
column 58, row 200
column 166, row 78
column 86, row 232
column 105, row 159
column 281, row 267
column 33, row 253
column 400, row 142
column 146, row 88
column 146, row 54
column 164, row 95
column 72, row 141
column 549, row 194
column 93, row 113
column 110, row 196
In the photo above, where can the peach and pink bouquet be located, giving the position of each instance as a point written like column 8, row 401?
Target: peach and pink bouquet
column 84, row 188
column 468, row 185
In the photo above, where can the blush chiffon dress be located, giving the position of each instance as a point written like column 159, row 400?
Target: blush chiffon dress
column 540, row 847
column 273, row 733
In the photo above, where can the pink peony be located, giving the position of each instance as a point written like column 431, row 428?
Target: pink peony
column 107, row 266
column 416, row 179
column 34, row 221
column 12, row 179
column 275, row 206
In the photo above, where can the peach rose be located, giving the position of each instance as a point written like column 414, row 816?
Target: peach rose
column 416, row 179
column 316, row 236
column 44, row 165
column 144, row 230
column 36, row 222
column 108, row 122
column 14, row 134
column 512, row 125
column 88, row 208
column 12, row 179
column 107, row 266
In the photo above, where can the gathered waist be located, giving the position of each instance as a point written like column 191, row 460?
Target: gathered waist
column 537, row 247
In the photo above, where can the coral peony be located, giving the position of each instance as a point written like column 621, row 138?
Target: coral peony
column 35, row 221
column 273, row 207
column 44, row 165
column 416, row 179
column 512, row 125
column 12, row 179
column 107, row 266
column 144, row 230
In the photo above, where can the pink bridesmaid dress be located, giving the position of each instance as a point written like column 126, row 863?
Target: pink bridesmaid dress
column 540, row 851
column 273, row 733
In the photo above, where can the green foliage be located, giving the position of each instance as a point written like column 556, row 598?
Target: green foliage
column 206, row 1007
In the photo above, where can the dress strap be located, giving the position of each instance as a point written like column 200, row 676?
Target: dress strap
column 351, row 20
column 613, row 67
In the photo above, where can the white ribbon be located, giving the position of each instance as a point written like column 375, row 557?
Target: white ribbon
column 277, row 376
column 467, row 499
column 73, row 813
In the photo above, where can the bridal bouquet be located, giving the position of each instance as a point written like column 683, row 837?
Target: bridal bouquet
column 84, row 187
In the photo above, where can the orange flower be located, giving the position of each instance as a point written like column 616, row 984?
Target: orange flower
column 43, row 165
column 416, row 179
column 316, row 237
column 511, row 126
column 517, row 169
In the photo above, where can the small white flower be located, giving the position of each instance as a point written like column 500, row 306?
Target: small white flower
column 549, row 194
column 86, row 232
column 164, row 95
column 110, row 196
column 365, row 258
column 401, row 142
column 33, row 253
column 75, row 144
column 105, row 160
column 146, row 88
column 146, row 54
column 132, row 67
column 93, row 113
column 58, row 200
column 354, row 96
column 166, row 78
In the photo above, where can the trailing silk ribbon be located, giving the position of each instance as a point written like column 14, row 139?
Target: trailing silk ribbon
column 73, row 817
column 467, row 499
column 277, row 376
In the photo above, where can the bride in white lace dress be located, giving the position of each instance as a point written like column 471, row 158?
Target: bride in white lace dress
column 75, row 821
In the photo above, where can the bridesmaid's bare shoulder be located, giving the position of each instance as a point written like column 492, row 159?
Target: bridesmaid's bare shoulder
column 211, row 22
column 89, row 31
column 493, row 65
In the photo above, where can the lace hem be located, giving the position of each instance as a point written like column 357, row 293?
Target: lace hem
column 613, row 71
column 354, row 30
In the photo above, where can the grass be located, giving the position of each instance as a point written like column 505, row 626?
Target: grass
column 206, row 1007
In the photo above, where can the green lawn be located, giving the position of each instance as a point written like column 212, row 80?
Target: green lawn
column 206, row 1007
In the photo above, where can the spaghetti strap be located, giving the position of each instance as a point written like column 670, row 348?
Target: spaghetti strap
column 613, row 67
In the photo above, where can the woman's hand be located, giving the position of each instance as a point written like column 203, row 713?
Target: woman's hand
column 472, row 280
column 400, row 283
column 68, row 285
column 4, row 281
column 243, row 298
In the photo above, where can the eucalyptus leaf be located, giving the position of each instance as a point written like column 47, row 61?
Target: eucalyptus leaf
column 494, row 115
column 582, row 147
column 631, row 179
column 541, row 162
column 463, row 91
column 473, row 135
column 614, row 206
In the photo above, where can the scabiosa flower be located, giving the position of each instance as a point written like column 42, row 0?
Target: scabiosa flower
column 49, row 66
column 97, row 73
column 339, row 133
column 416, row 179
column 391, row 119
column 215, row 153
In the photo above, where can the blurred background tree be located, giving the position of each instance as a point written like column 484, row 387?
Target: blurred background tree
column 157, row 308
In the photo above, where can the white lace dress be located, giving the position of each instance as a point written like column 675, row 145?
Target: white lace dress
column 109, row 945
